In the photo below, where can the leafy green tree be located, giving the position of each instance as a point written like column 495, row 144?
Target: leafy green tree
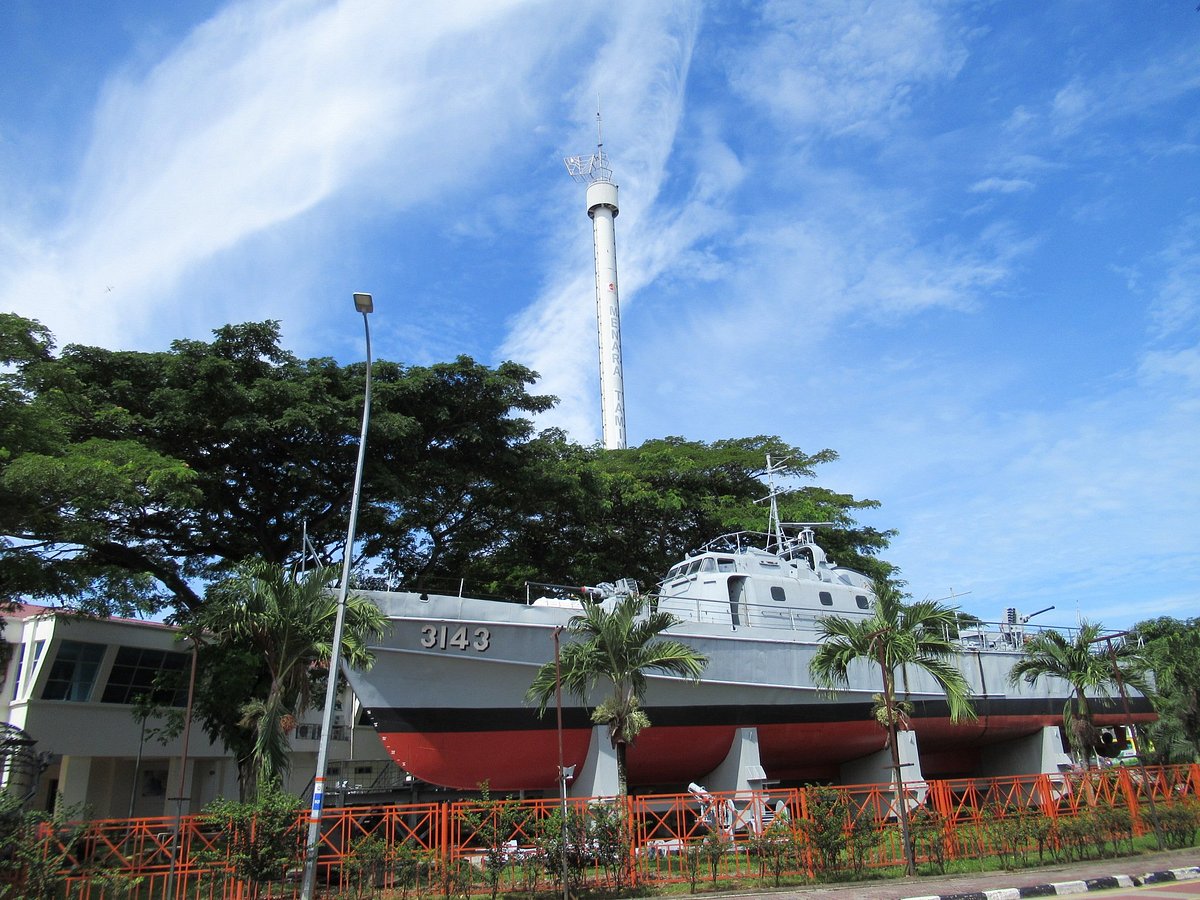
column 620, row 646
column 1085, row 665
column 132, row 480
column 895, row 636
column 601, row 514
column 285, row 621
column 1171, row 648
column 129, row 481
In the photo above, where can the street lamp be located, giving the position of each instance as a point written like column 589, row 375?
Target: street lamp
column 363, row 304
column 562, row 772
column 177, row 844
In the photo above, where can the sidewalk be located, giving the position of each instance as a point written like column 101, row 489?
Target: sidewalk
column 1008, row 881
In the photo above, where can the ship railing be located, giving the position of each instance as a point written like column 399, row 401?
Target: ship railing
column 737, row 541
column 717, row 612
column 1002, row 636
column 977, row 636
column 563, row 590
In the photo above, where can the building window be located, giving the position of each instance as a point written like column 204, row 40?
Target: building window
column 27, row 668
column 73, row 671
column 139, row 671
column 826, row 598
column 17, row 680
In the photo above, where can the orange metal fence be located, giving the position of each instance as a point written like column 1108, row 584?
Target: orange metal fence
column 510, row 844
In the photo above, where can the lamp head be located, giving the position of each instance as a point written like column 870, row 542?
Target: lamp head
column 363, row 303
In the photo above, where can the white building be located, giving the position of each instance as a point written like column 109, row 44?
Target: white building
column 70, row 683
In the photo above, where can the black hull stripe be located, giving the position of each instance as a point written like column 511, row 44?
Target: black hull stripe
column 443, row 719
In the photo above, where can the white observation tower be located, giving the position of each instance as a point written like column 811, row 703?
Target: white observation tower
column 595, row 172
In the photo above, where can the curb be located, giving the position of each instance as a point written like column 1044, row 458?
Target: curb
column 1063, row 888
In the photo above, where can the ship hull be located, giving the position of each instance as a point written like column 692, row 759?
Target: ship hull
column 447, row 696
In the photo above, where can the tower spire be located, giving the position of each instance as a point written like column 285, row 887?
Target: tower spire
column 595, row 172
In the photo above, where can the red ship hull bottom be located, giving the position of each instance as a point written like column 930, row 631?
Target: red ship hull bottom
column 527, row 759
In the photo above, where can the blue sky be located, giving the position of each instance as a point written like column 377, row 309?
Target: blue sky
column 959, row 243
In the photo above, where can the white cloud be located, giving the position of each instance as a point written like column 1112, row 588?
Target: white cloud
column 1176, row 304
column 1001, row 186
column 267, row 112
column 842, row 67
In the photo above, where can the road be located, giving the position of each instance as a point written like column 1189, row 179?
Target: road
column 1006, row 884
column 1145, row 892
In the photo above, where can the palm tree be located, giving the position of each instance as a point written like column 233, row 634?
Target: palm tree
column 287, row 621
column 1086, row 666
column 896, row 635
column 619, row 646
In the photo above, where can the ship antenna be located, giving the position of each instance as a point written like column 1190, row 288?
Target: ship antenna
column 774, row 526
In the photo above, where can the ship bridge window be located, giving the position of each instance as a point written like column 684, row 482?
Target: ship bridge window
column 676, row 570
column 726, row 565
column 778, row 594
column 862, row 601
column 708, row 565
column 693, row 567
column 826, row 598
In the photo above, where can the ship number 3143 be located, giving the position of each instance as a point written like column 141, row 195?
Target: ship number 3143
column 461, row 638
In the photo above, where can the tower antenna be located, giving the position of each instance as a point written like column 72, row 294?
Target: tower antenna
column 596, row 173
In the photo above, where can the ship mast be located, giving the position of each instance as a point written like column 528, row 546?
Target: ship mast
column 774, row 526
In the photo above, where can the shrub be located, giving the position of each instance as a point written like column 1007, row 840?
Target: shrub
column 1040, row 828
column 608, row 832
column 558, row 840
column 409, row 867
column 713, row 849
column 35, row 848
column 929, row 832
column 1075, row 836
column 1012, row 833
column 260, row 839
column 1180, row 822
column 492, row 823
column 692, row 856
column 775, row 848
column 456, row 877
column 1112, row 825
column 862, row 837
column 366, row 867
column 824, row 827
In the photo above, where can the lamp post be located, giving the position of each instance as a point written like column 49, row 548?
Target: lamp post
column 363, row 304
column 562, row 772
column 177, row 843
